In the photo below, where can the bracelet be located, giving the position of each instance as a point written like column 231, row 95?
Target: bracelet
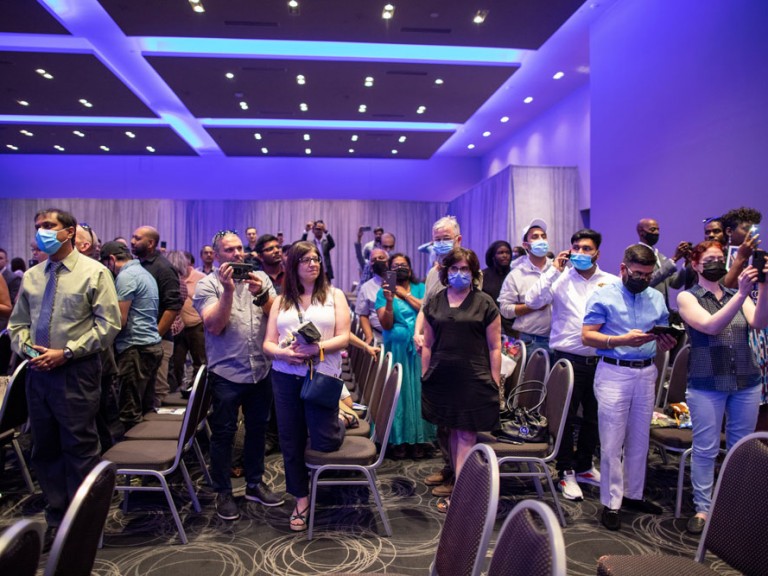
column 608, row 342
column 322, row 351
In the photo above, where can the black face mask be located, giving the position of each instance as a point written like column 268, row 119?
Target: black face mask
column 651, row 238
column 714, row 271
column 403, row 274
column 635, row 285
column 379, row 267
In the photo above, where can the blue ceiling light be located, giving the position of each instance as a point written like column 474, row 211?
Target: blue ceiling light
column 327, row 124
column 90, row 120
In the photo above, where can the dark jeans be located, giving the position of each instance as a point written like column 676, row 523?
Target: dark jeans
column 137, row 368
column 255, row 399
column 191, row 340
column 65, row 444
column 107, row 418
column 584, row 396
column 533, row 342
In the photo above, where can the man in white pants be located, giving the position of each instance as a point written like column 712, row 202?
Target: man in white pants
column 617, row 322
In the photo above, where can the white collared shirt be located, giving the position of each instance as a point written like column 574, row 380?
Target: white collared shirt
column 568, row 293
column 517, row 283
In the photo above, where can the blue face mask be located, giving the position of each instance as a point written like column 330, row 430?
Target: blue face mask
column 47, row 241
column 539, row 248
column 581, row 261
column 442, row 247
column 459, row 280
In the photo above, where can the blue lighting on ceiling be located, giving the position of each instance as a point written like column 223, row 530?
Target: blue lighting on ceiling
column 328, row 124
column 90, row 120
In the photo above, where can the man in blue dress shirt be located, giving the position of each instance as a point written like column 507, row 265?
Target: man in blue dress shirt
column 617, row 322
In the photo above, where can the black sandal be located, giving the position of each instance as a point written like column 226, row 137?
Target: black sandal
column 299, row 515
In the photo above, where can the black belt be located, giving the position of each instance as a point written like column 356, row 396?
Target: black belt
column 628, row 363
column 578, row 358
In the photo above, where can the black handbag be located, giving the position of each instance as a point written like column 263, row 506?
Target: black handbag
column 523, row 424
column 321, row 389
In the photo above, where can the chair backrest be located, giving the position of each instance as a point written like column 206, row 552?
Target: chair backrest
column 207, row 395
column 516, row 377
column 361, row 375
column 373, row 373
column 13, row 410
column 662, row 363
column 471, row 516
column 678, row 378
column 526, row 547
column 559, row 389
column 5, row 352
column 537, row 366
column 20, row 547
column 385, row 411
column 194, row 414
column 738, row 497
column 77, row 539
column 381, row 377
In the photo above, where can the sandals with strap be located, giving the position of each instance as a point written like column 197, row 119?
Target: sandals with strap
column 299, row 516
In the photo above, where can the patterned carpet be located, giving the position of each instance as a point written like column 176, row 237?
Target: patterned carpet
column 349, row 535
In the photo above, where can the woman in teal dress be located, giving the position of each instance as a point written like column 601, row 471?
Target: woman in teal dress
column 397, row 313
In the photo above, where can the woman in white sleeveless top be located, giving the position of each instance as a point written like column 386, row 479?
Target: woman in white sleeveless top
column 306, row 295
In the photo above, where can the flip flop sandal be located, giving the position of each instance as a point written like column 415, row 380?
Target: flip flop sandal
column 443, row 504
column 300, row 516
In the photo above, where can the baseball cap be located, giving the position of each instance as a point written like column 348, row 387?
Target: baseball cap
column 535, row 223
column 113, row 249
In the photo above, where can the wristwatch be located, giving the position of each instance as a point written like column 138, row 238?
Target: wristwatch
column 261, row 298
column 68, row 354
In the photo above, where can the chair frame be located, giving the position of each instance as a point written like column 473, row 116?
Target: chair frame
column 662, row 364
column 10, row 537
column 15, row 395
column 394, row 379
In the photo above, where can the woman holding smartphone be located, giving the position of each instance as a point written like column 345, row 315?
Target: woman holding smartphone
column 723, row 375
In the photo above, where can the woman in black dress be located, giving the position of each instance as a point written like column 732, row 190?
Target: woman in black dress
column 461, row 357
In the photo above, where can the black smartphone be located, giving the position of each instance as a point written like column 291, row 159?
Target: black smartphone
column 758, row 261
column 30, row 352
column 390, row 281
column 365, row 228
column 240, row 270
column 674, row 332
column 163, row 244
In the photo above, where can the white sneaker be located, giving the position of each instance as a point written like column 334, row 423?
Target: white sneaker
column 569, row 487
column 591, row 476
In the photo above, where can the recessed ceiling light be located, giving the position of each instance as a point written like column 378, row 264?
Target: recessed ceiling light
column 229, row 75
column 504, row 119
column 44, row 74
column 486, row 134
column 394, row 151
column 303, row 107
column 257, row 135
column 243, row 105
column 11, row 146
column 362, row 108
column 85, row 103
column 197, row 6
column 558, row 75
column 78, row 133
column 388, row 12
column 528, row 100
column 354, row 138
column 26, row 132
column 480, row 16
column 59, row 148
column 22, row 102
column 471, row 146
column 293, row 7
column 439, row 81
column 351, row 150
column 264, row 151
column 301, row 80
column 306, row 137
column 421, row 109
column 130, row 134
column 105, row 148
column 368, row 81
column 307, row 150
column 402, row 139
column 150, row 149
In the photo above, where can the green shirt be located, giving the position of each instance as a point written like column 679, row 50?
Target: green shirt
column 86, row 316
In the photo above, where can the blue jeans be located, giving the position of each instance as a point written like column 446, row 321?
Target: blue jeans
column 255, row 400
column 707, row 408
column 533, row 342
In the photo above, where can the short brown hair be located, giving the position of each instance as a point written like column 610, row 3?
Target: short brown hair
column 457, row 254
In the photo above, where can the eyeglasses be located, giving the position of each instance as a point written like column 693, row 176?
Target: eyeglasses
column 639, row 275
column 222, row 233
column 463, row 269
column 309, row 260
column 87, row 228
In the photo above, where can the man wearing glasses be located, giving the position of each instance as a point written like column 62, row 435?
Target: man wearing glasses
column 324, row 243
column 617, row 322
column 86, row 241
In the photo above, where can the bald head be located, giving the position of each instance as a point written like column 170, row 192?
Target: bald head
column 85, row 242
column 144, row 241
column 648, row 231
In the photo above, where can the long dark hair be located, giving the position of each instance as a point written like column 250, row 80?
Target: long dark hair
column 292, row 286
column 490, row 254
column 413, row 279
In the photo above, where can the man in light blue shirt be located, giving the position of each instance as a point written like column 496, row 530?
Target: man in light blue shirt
column 366, row 297
column 138, row 348
column 617, row 322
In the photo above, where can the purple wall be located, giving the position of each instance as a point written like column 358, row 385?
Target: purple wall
column 439, row 179
column 679, row 95
column 557, row 137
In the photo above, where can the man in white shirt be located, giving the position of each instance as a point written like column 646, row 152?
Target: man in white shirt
column 567, row 290
column 532, row 323
column 366, row 297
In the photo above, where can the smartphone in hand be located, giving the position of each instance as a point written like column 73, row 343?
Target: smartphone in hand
column 758, row 261
column 390, row 281
column 30, row 352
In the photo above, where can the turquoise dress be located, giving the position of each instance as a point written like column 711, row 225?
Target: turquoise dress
column 408, row 426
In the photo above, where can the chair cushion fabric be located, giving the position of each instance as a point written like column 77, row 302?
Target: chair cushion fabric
column 643, row 565
column 155, row 430
column 152, row 454
column 354, row 450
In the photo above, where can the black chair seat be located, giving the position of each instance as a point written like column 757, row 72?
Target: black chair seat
column 354, row 450
column 155, row 417
column 642, row 565
column 154, row 454
column 526, row 449
column 175, row 399
column 673, row 437
column 155, row 430
column 363, row 430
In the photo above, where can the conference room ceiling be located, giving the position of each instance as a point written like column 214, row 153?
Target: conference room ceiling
column 330, row 78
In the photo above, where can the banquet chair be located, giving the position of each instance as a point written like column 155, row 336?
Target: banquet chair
column 524, row 548
column 470, row 518
column 531, row 387
column 5, row 352
column 736, row 530
column 14, row 413
column 20, row 547
column 79, row 535
column 662, row 364
column 161, row 458
column 357, row 454
column 514, row 379
column 536, row 456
